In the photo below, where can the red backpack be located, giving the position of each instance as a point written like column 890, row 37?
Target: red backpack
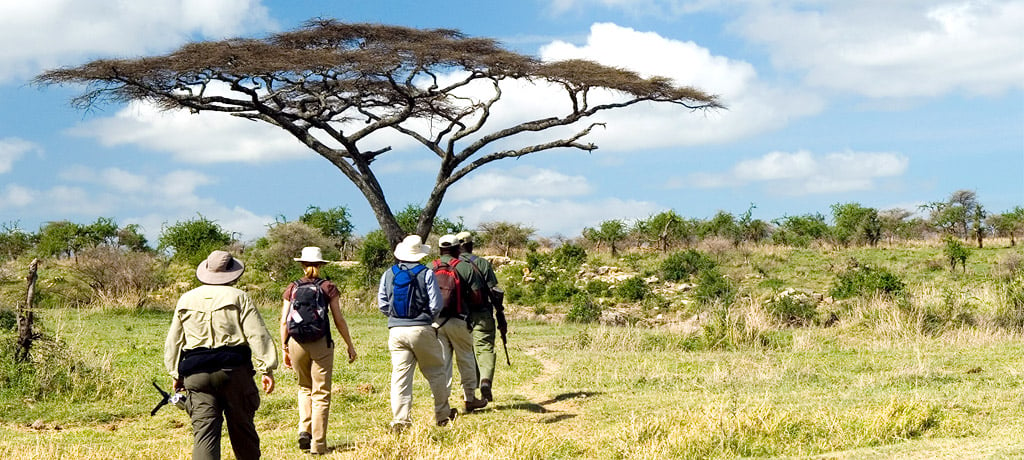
column 448, row 281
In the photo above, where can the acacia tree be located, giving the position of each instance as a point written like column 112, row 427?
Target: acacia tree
column 331, row 85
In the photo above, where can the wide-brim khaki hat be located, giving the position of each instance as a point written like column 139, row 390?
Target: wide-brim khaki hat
column 219, row 268
column 411, row 249
column 311, row 255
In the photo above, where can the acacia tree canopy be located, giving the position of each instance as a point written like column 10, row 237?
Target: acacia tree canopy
column 332, row 84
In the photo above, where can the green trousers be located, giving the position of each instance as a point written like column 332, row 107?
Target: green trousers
column 216, row 397
column 484, row 334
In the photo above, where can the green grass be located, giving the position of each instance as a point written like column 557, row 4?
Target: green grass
column 877, row 383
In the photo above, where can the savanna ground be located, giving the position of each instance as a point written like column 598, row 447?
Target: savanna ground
column 935, row 376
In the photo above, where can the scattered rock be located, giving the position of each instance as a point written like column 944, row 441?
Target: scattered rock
column 38, row 425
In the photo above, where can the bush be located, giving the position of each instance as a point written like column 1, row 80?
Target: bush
column 866, row 281
column 560, row 291
column 274, row 253
column 680, row 265
column 597, row 288
column 193, row 240
column 793, row 309
column 632, row 289
column 583, row 310
column 119, row 277
column 713, row 287
column 569, row 256
column 1010, row 313
column 374, row 256
column 8, row 320
column 955, row 252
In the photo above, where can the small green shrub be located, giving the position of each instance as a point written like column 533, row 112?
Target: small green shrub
column 713, row 287
column 583, row 310
column 862, row 280
column 8, row 320
column 598, row 288
column 560, row 291
column 374, row 256
column 680, row 265
column 632, row 289
column 956, row 253
column 569, row 255
column 796, row 310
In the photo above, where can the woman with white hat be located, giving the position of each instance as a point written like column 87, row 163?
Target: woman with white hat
column 309, row 348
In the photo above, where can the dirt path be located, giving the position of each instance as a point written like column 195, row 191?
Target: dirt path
column 555, row 407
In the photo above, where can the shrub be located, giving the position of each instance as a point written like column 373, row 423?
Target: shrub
column 560, row 291
column 569, row 256
column 632, row 289
column 583, row 310
column 8, row 320
column 681, row 265
column 274, row 253
column 793, row 309
column 374, row 256
column 193, row 240
column 1010, row 313
column 119, row 277
column 713, row 287
column 955, row 252
column 865, row 280
column 598, row 288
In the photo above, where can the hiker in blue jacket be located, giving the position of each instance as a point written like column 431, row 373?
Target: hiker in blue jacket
column 411, row 300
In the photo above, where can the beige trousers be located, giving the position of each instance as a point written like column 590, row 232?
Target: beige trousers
column 313, row 363
column 411, row 346
column 457, row 345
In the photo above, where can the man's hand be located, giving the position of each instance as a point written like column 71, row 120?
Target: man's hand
column 177, row 385
column 352, row 354
column 268, row 383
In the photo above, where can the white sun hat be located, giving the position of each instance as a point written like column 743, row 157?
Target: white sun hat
column 312, row 255
column 411, row 249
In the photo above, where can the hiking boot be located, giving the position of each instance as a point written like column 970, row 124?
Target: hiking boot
column 485, row 390
column 475, row 404
column 304, row 440
column 451, row 416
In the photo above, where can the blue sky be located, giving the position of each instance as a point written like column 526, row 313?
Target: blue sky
column 826, row 104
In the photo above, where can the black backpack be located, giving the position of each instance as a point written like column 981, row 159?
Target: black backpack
column 308, row 316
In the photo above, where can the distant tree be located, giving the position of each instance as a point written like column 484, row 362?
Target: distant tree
column 610, row 232
column 722, row 225
column 409, row 216
column 505, row 235
column 131, row 238
column 14, row 241
column 800, row 230
column 666, row 229
column 1007, row 224
column 59, row 239
column 856, row 223
column 954, row 215
column 333, row 85
column 103, row 232
column 753, row 230
column 894, row 223
column 284, row 241
column 979, row 228
column 192, row 240
column 332, row 223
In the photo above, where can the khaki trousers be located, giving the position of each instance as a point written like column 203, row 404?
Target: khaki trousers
column 457, row 345
column 214, row 397
column 313, row 363
column 411, row 346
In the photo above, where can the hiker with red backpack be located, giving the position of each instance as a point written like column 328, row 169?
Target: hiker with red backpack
column 455, row 280
column 482, row 314
column 309, row 305
column 409, row 296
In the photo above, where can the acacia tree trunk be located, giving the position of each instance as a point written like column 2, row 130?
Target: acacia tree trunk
column 25, row 334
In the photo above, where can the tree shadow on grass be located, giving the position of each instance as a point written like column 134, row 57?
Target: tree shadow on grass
column 539, row 408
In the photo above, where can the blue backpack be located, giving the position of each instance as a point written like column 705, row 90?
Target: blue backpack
column 403, row 290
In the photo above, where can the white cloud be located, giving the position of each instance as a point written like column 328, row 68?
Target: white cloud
column 47, row 33
column 752, row 106
column 520, row 182
column 12, row 149
column 16, row 196
column 551, row 217
column 803, row 173
column 922, row 48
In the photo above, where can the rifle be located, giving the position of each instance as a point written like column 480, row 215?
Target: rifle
column 498, row 298
column 166, row 398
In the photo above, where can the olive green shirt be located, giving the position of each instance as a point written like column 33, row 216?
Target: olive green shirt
column 212, row 316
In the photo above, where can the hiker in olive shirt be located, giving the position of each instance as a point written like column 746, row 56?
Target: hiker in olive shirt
column 453, row 331
column 215, row 335
column 481, row 316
